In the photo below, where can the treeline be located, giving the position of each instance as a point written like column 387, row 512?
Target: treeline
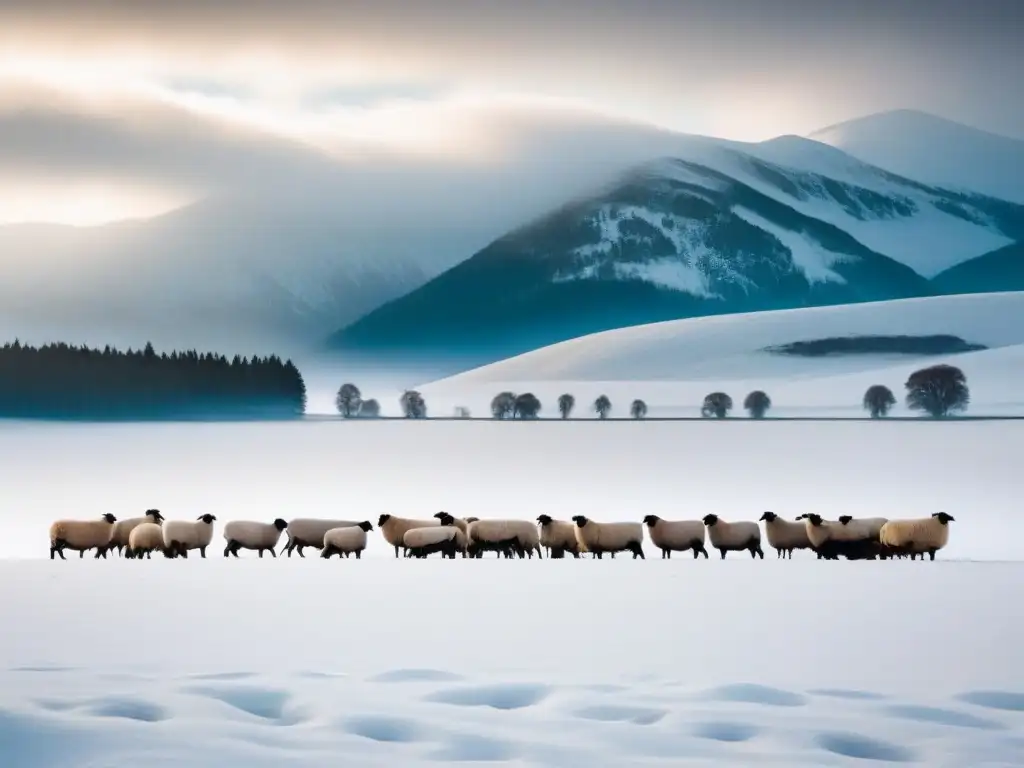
column 64, row 381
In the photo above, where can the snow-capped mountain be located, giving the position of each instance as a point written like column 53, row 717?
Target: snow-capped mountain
column 725, row 227
column 934, row 150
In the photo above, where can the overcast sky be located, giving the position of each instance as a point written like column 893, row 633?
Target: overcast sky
column 441, row 76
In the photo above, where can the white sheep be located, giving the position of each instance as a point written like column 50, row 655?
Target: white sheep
column 785, row 535
column 830, row 539
column 609, row 537
column 81, row 535
column 857, row 528
column 558, row 536
column 421, row 542
column 503, row 536
column 182, row 535
column 346, row 540
column 145, row 539
column 249, row 534
column 676, row 536
column 926, row 535
column 394, row 528
column 123, row 529
column 734, row 537
column 309, row 532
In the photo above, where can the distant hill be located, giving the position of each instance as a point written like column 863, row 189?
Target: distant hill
column 999, row 270
column 934, row 150
column 730, row 228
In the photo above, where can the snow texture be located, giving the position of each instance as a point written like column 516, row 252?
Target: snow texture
column 673, row 365
column 306, row 664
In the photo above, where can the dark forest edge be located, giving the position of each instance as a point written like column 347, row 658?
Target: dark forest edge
column 66, row 382
column 938, row 344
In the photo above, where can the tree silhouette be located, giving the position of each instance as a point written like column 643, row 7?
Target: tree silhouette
column 757, row 404
column 503, row 405
column 413, row 405
column 462, row 412
column 347, row 400
column 369, row 409
column 638, row 409
column 566, row 403
column 527, row 406
column 64, row 381
column 717, row 404
column 938, row 390
column 878, row 400
column 603, row 406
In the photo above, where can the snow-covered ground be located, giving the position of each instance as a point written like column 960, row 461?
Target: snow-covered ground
column 384, row 662
column 560, row 663
column 671, row 366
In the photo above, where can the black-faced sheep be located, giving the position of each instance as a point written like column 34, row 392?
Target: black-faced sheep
column 676, row 536
column 734, row 537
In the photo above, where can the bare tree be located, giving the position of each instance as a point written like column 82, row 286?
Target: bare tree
column 566, row 403
column 503, row 405
column 347, row 400
column 369, row 409
column 527, row 406
column 638, row 409
column 717, row 404
column 878, row 400
column 603, row 406
column 757, row 404
column 462, row 412
column 938, row 390
column 413, row 405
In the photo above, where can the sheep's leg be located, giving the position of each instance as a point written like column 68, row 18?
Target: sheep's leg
column 273, row 554
column 202, row 552
column 359, row 554
column 703, row 551
column 81, row 554
column 327, row 552
column 931, row 554
column 396, row 550
column 300, row 548
column 637, row 549
column 723, row 550
column 227, row 549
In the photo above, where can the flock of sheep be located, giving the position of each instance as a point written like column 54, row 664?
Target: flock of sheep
column 849, row 537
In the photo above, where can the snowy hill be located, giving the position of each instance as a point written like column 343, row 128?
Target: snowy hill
column 722, row 227
column 934, row 150
column 999, row 270
column 673, row 365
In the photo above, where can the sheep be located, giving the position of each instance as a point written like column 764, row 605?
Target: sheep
column 830, row 539
column 462, row 540
column 471, row 520
column 144, row 539
column 123, row 529
column 309, row 532
column 182, row 535
column 558, row 536
column 734, row 537
column 609, row 537
column 676, row 535
column 499, row 533
column 926, row 535
column 785, row 536
column 247, row 534
column 462, row 525
column 421, row 542
column 81, row 535
column 346, row 540
column 394, row 528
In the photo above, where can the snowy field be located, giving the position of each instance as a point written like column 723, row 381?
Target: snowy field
column 672, row 365
column 379, row 662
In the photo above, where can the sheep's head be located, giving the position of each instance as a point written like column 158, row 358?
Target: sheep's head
column 710, row 520
column 544, row 519
column 366, row 526
column 154, row 515
column 207, row 518
column 814, row 518
column 944, row 518
column 580, row 520
column 382, row 520
column 110, row 518
column 651, row 520
column 769, row 517
column 280, row 524
column 445, row 518
column 845, row 519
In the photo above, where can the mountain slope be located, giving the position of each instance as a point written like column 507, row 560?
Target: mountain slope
column 934, row 150
column 1000, row 270
column 677, row 238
